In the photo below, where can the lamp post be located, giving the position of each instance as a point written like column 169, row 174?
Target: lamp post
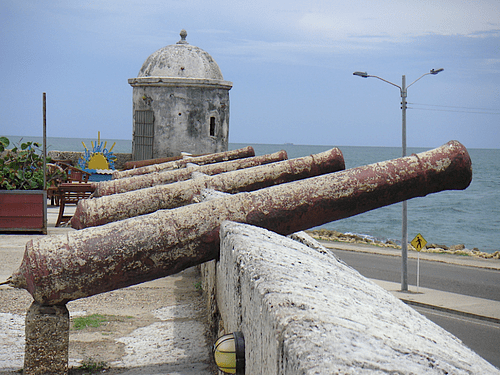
column 403, row 89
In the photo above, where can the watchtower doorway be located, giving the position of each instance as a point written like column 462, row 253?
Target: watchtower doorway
column 143, row 137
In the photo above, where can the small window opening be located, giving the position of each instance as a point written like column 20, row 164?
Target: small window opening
column 212, row 126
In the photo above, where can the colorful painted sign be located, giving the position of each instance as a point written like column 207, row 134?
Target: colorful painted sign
column 98, row 158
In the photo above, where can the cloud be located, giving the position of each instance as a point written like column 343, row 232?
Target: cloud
column 263, row 26
column 295, row 31
column 398, row 20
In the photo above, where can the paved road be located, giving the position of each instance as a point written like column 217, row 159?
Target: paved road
column 481, row 336
column 472, row 281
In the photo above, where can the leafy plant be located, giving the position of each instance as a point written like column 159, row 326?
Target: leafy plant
column 198, row 286
column 21, row 168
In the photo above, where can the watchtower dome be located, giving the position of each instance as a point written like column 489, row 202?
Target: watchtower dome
column 180, row 103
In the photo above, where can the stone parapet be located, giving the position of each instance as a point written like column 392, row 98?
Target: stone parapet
column 302, row 311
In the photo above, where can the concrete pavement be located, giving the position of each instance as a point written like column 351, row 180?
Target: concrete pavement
column 158, row 327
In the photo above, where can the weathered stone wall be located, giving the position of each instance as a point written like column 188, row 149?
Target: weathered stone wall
column 302, row 311
column 182, row 116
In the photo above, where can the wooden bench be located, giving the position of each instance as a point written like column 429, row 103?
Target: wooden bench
column 71, row 193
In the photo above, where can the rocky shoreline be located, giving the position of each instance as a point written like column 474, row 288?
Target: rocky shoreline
column 332, row 235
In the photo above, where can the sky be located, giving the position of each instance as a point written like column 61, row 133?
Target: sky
column 291, row 64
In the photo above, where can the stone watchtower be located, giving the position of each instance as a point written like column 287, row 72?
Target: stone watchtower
column 180, row 103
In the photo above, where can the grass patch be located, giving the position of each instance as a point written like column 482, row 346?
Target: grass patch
column 198, row 286
column 94, row 320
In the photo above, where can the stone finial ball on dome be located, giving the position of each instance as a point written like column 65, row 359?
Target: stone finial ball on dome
column 183, row 35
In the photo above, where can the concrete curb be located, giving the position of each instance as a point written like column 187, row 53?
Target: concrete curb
column 452, row 311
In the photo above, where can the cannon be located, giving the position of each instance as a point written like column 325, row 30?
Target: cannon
column 240, row 153
column 109, row 208
column 133, row 164
column 125, row 184
column 82, row 263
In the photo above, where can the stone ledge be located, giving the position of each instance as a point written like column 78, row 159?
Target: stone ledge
column 303, row 311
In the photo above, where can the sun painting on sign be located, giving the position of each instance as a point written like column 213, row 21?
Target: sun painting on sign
column 98, row 158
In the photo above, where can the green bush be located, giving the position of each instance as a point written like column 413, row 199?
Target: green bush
column 21, row 168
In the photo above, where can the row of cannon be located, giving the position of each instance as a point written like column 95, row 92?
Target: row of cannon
column 144, row 224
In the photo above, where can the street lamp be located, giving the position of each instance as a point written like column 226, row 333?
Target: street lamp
column 403, row 89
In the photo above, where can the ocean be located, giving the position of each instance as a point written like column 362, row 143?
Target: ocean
column 470, row 217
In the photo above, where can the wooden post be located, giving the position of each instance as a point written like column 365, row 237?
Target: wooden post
column 44, row 141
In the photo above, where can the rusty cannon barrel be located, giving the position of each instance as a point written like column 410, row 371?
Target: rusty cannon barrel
column 240, row 153
column 123, row 185
column 144, row 163
column 99, row 211
column 82, row 263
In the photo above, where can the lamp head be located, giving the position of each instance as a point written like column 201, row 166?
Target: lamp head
column 361, row 74
column 229, row 353
column 436, row 71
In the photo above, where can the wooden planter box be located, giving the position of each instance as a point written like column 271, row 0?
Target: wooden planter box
column 23, row 211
